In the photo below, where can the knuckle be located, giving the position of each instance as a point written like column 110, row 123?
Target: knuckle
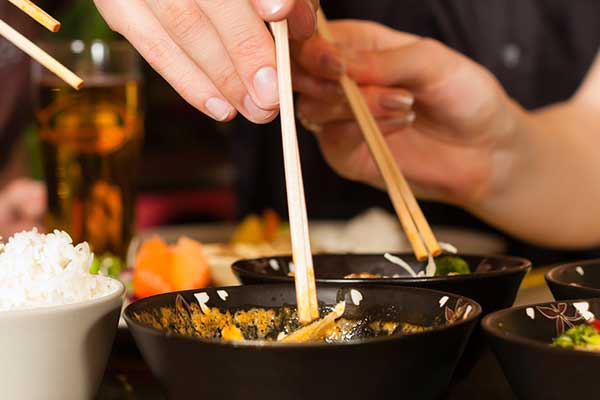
column 185, row 21
column 432, row 45
column 226, row 78
column 248, row 44
column 155, row 52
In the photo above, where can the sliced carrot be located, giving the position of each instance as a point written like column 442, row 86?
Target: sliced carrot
column 147, row 283
column 153, row 266
column 190, row 267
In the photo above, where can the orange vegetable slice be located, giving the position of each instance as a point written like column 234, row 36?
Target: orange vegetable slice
column 271, row 223
column 190, row 267
column 152, row 268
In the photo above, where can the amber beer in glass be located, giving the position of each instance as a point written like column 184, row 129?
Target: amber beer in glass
column 91, row 141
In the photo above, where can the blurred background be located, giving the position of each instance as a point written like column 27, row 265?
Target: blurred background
column 191, row 171
column 186, row 172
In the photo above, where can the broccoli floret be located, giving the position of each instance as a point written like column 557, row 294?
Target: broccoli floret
column 107, row 264
column 451, row 265
column 578, row 336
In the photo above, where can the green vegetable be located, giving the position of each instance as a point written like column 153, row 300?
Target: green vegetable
column 107, row 264
column 451, row 265
column 578, row 336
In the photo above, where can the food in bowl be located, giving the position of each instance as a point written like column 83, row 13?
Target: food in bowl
column 279, row 324
column 58, row 320
column 443, row 266
column 195, row 367
column 581, row 337
column 44, row 270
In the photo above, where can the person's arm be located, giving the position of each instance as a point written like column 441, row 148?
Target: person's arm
column 218, row 54
column 535, row 175
column 551, row 191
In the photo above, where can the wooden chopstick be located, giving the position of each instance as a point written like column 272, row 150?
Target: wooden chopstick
column 39, row 55
column 413, row 221
column 38, row 14
column 304, row 277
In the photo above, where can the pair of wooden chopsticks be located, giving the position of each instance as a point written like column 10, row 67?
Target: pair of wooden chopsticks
column 304, row 276
column 413, row 221
column 34, row 51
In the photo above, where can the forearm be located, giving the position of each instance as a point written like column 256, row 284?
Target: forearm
column 546, row 187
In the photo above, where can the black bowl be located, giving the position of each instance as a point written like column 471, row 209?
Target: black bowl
column 521, row 337
column 578, row 280
column 494, row 285
column 416, row 366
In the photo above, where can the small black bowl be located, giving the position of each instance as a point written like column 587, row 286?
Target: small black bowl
column 416, row 366
column 577, row 280
column 521, row 338
column 494, row 284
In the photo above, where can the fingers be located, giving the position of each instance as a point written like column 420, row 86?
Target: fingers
column 422, row 63
column 302, row 20
column 375, row 55
column 301, row 14
column 345, row 150
column 319, row 58
column 314, row 87
column 249, row 45
column 384, row 103
column 136, row 22
column 187, row 25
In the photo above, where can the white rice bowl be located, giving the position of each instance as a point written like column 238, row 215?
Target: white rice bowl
column 45, row 270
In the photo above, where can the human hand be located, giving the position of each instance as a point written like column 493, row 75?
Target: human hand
column 446, row 119
column 22, row 206
column 218, row 54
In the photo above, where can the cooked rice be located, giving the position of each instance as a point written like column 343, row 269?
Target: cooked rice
column 42, row 270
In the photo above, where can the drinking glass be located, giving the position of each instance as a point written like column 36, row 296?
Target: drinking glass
column 91, row 141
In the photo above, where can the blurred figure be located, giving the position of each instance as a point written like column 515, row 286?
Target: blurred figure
column 22, row 206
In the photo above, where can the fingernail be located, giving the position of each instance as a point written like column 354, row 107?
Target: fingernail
column 333, row 64
column 257, row 113
column 218, row 108
column 265, row 87
column 403, row 121
column 270, row 8
column 395, row 101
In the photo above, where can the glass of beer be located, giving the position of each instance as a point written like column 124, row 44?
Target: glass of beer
column 91, row 141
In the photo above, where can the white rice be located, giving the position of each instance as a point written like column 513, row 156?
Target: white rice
column 43, row 270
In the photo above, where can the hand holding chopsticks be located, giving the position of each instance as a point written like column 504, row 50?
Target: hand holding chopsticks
column 306, row 293
column 34, row 51
column 413, row 221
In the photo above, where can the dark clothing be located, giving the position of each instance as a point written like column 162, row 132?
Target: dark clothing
column 540, row 50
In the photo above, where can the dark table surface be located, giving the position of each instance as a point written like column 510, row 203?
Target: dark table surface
column 128, row 378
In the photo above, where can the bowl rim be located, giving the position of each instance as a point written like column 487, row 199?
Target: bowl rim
column 524, row 265
column 551, row 275
column 65, row 308
column 474, row 315
column 489, row 325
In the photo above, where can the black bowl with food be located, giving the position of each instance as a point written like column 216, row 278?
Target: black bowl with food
column 492, row 281
column 243, row 342
column 577, row 280
column 542, row 349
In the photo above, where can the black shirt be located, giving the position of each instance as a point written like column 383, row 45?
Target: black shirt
column 540, row 51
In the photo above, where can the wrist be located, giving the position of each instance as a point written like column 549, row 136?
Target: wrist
column 508, row 157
